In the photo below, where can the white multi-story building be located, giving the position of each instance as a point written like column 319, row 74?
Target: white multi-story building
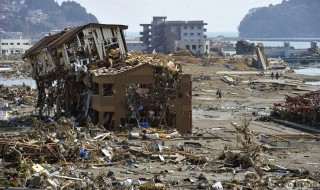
column 167, row 36
column 188, row 30
column 14, row 46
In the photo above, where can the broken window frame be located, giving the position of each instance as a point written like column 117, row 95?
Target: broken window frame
column 108, row 89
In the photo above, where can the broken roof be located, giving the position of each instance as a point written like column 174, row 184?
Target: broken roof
column 135, row 60
column 60, row 38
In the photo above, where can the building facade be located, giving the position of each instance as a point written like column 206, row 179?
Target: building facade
column 166, row 36
column 14, row 46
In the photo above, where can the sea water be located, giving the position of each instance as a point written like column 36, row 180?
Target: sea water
column 309, row 71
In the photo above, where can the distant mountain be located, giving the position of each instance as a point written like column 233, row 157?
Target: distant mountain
column 291, row 18
column 36, row 16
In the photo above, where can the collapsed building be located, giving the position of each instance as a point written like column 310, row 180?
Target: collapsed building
column 86, row 73
column 304, row 108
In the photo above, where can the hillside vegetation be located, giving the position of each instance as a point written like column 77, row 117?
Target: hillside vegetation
column 36, row 16
column 291, row 18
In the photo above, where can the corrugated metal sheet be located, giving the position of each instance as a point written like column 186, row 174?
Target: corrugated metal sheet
column 58, row 39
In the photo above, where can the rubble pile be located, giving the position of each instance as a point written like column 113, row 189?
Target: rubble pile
column 16, row 101
column 18, row 95
column 59, row 154
column 49, row 155
column 304, row 108
column 133, row 59
column 14, row 69
column 49, row 143
column 244, row 47
column 221, row 44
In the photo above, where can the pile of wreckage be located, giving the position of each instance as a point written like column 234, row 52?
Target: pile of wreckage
column 16, row 101
column 62, row 155
column 301, row 109
column 14, row 69
column 244, row 47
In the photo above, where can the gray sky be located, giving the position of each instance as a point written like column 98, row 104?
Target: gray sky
column 221, row 15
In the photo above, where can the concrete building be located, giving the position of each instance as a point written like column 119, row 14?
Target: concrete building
column 166, row 36
column 14, row 46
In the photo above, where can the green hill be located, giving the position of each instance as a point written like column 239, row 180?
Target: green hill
column 291, row 18
column 35, row 16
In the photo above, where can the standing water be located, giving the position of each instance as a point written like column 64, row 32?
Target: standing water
column 309, row 71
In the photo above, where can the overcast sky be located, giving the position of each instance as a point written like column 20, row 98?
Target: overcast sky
column 221, row 15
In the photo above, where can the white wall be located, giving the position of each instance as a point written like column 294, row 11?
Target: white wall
column 192, row 32
column 14, row 46
column 195, row 46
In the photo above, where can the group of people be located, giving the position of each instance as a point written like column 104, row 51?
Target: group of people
column 277, row 75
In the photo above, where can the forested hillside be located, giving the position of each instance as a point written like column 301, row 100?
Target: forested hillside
column 291, row 18
column 36, row 16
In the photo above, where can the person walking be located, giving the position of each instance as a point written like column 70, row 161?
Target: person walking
column 277, row 75
column 219, row 93
column 272, row 75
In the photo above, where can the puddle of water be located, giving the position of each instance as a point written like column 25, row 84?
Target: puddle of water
column 311, row 71
column 263, row 113
column 4, row 115
column 216, row 129
column 313, row 83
